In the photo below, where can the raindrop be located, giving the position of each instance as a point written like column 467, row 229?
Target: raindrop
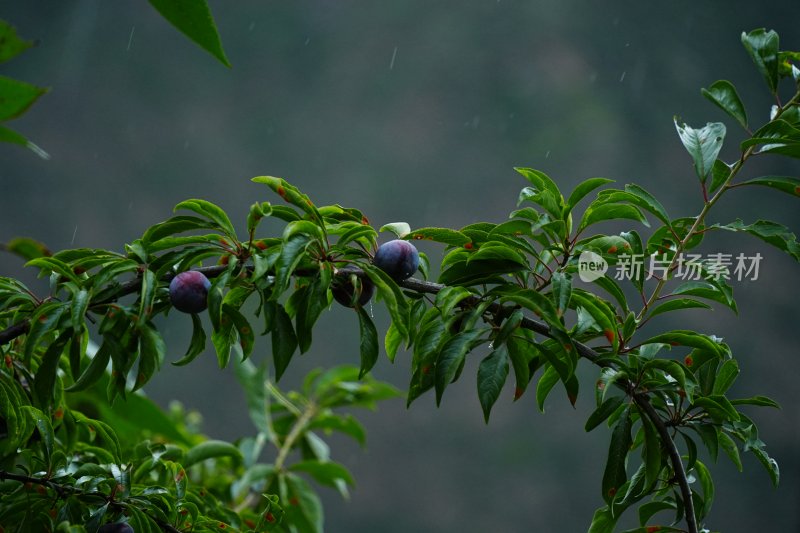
column 186, row 144
column 371, row 314
column 73, row 235
column 491, row 345
column 547, row 155
column 252, row 26
column 130, row 38
column 308, row 40
column 623, row 76
column 394, row 55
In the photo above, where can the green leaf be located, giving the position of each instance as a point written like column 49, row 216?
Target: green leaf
column 392, row 342
column 211, row 449
column 16, row 97
column 492, row 374
column 152, row 348
column 715, row 290
column 762, row 46
column 677, row 304
column 600, row 211
column 540, row 180
column 401, row 229
column 292, row 253
column 284, row 341
column 147, row 296
column 584, row 188
column 306, row 512
column 546, row 383
column 209, row 210
column 718, row 407
column 78, row 306
column 761, row 401
column 614, row 476
column 44, row 320
column 368, row 341
column 94, row 371
column 732, row 451
column 197, row 344
column 687, row 338
column 392, row 296
column 702, row 144
column 10, row 43
column 720, row 173
column 444, row 235
column 562, row 291
column 787, row 184
column 707, row 484
column 452, row 357
column 103, row 431
column 770, row 232
column 651, row 454
column 193, row 18
column 45, row 377
column 603, row 521
column 605, row 410
column 346, row 424
column 769, row 464
column 51, row 264
column 26, row 247
column 324, row 473
column 726, row 375
column 724, row 95
column 243, row 329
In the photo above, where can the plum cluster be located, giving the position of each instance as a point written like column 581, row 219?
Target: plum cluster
column 398, row 258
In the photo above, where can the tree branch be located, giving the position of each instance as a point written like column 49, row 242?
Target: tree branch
column 427, row 287
column 643, row 401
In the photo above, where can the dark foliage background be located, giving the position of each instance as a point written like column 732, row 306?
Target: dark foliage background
column 412, row 111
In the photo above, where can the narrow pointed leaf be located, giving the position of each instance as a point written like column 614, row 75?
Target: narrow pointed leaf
column 193, row 18
column 492, row 374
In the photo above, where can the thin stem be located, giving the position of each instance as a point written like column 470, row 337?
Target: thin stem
column 297, row 430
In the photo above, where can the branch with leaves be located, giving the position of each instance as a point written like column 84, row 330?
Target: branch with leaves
column 513, row 290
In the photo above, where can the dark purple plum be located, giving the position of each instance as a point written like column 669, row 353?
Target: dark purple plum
column 188, row 291
column 118, row 527
column 397, row 258
column 344, row 291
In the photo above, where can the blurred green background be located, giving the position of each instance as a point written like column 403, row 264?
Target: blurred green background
column 413, row 111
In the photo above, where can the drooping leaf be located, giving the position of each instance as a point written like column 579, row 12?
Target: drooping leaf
column 492, row 374
column 152, row 349
column 762, row 45
column 723, row 94
column 770, row 232
column 787, row 184
column 702, row 144
column 368, row 341
column 451, row 358
column 677, row 304
column 193, row 18
column 614, row 476
column 284, row 340
column 605, row 410
column 197, row 344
